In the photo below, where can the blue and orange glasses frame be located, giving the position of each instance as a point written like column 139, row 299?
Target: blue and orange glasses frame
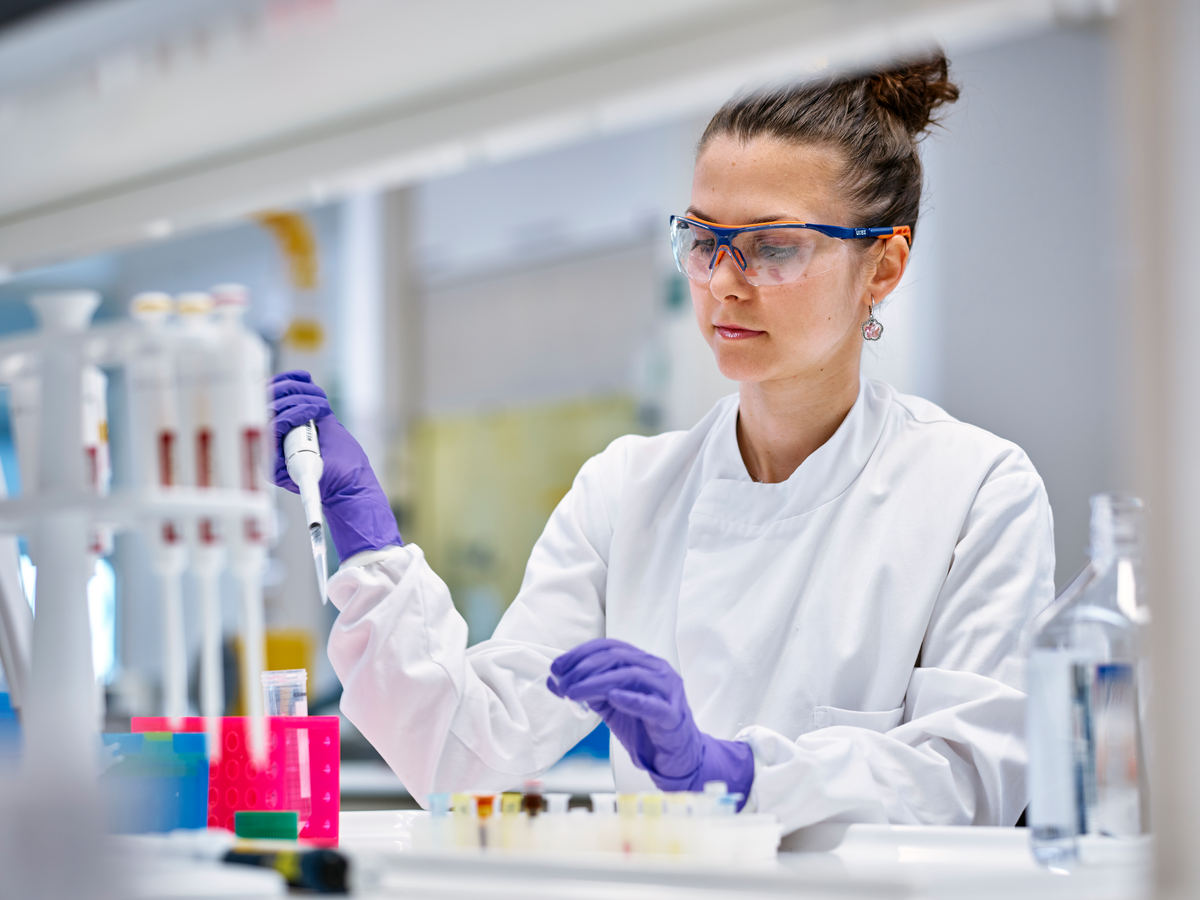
column 699, row 245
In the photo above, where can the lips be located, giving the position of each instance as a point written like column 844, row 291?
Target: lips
column 736, row 332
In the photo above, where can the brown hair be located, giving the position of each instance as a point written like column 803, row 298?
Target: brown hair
column 873, row 121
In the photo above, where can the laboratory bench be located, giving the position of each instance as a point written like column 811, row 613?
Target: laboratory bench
column 838, row 862
column 834, row 861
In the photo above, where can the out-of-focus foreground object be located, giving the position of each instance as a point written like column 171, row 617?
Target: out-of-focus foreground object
column 301, row 773
column 69, row 513
column 1159, row 85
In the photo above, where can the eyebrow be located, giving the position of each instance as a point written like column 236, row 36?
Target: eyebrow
column 763, row 220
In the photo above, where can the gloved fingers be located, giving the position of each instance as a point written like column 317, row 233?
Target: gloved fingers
column 293, row 375
column 318, row 406
column 282, row 478
column 294, row 406
column 571, row 657
column 293, row 411
column 281, row 389
column 287, row 387
column 603, row 660
column 629, row 678
column 603, row 653
column 646, row 707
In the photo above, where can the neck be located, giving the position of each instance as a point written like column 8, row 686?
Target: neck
column 780, row 423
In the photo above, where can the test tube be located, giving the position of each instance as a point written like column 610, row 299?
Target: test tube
column 154, row 405
column 533, row 803
column 484, row 805
column 604, row 804
column 198, row 456
column 466, row 832
column 439, row 804
column 556, row 804
column 678, row 803
column 241, row 425
column 285, row 692
column 652, row 804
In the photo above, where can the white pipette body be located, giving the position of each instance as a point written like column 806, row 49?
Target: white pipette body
column 302, row 454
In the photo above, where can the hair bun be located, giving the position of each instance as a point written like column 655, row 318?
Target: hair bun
column 913, row 91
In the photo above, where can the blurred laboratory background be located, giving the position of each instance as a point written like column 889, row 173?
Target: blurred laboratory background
column 490, row 303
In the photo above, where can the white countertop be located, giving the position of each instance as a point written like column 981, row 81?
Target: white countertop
column 834, row 861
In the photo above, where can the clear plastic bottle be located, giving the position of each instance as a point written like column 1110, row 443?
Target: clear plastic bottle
column 1084, row 712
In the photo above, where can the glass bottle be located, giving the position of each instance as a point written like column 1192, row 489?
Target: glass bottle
column 1084, row 713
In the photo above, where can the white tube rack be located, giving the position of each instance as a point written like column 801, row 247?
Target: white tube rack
column 62, row 510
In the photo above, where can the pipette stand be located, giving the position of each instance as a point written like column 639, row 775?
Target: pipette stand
column 61, row 512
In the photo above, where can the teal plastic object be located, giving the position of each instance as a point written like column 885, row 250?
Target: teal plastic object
column 158, row 783
column 10, row 732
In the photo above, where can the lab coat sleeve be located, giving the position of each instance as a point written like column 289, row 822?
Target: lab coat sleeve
column 449, row 718
column 957, row 756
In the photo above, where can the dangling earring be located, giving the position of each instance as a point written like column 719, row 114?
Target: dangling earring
column 872, row 329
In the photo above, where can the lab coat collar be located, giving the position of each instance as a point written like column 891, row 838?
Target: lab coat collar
column 730, row 495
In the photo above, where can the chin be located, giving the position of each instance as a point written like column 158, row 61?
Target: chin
column 738, row 367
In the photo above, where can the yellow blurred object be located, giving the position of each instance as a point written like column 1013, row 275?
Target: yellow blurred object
column 295, row 237
column 287, row 648
column 305, row 335
column 483, row 486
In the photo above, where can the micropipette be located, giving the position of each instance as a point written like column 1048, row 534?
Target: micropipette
column 302, row 454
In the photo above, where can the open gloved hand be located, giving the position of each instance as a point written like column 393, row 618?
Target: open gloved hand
column 641, row 698
column 356, row 509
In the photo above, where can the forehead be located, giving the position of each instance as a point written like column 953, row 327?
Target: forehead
column 736, row 182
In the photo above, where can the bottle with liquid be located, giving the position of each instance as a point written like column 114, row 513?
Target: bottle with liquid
column 1087, row 782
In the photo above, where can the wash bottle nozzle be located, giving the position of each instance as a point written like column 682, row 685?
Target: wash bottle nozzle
column 302, row 454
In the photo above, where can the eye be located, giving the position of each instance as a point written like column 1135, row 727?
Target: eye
column 702, row 244
column 775, row 252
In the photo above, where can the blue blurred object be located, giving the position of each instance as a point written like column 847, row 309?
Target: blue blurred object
column 10, row 730
column 159, row 782
column 595, row 745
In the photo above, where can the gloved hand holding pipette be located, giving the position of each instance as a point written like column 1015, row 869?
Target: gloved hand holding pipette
column 356, row 510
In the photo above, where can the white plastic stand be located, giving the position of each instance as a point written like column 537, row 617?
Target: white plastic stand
column 62, row 512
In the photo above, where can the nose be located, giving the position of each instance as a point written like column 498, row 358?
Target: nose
column 728, row 281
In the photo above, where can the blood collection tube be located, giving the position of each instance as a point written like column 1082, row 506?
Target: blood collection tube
column 154, row 407
column 241, row 421
column 198, row 457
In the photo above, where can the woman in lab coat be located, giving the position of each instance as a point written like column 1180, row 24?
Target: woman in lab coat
column 815, row 594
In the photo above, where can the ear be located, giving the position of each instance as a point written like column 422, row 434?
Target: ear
column 888, row 269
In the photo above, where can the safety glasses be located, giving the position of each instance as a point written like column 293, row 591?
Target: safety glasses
column 773, row 253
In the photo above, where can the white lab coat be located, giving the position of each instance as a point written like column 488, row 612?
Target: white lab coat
column 857, row 624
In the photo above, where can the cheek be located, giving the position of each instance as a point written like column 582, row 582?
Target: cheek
column 809, row 307
column 702, row 302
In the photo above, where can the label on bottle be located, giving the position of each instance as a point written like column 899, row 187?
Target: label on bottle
column 1107, row 696
column 1083, row 747
column 1051, row 743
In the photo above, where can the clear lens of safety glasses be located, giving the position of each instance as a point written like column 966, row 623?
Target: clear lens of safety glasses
column 766, row 256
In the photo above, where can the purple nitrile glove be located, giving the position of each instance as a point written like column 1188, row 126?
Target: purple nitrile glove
column 641, row 698
column 356, row 509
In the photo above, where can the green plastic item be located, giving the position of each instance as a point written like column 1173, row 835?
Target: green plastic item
column 284, row 826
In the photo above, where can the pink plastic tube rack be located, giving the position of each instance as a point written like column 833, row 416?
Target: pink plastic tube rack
column 235, row 784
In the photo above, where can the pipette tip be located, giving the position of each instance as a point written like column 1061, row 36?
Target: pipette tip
column 317, row 534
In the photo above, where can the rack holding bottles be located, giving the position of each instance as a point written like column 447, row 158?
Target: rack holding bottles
column 196, row 427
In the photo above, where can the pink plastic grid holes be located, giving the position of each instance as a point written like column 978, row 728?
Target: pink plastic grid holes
column 235, row 784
